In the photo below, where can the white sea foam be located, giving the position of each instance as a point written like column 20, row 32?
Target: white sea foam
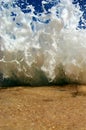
column 40, row 53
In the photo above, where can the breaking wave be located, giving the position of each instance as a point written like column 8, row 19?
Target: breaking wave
column 42, row 48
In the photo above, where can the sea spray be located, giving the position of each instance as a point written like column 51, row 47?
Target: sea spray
column 41, row 48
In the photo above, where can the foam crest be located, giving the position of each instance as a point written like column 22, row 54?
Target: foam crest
column 44, row 48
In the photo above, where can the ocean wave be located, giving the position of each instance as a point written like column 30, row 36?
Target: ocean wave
column 41, row 49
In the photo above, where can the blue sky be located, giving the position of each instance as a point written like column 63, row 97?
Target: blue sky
column 38, row 6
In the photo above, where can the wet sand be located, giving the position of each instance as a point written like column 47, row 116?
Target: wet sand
column 42, row 108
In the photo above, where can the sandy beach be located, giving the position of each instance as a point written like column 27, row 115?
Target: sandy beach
column 42, row 108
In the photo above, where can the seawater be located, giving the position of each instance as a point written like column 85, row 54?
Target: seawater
column 41, row 48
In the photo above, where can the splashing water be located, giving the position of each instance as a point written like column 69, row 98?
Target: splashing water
column 41, row 48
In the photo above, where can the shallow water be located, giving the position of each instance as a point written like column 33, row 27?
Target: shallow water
column 41, row 49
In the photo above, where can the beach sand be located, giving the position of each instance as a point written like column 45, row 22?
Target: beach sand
column 43, row 108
